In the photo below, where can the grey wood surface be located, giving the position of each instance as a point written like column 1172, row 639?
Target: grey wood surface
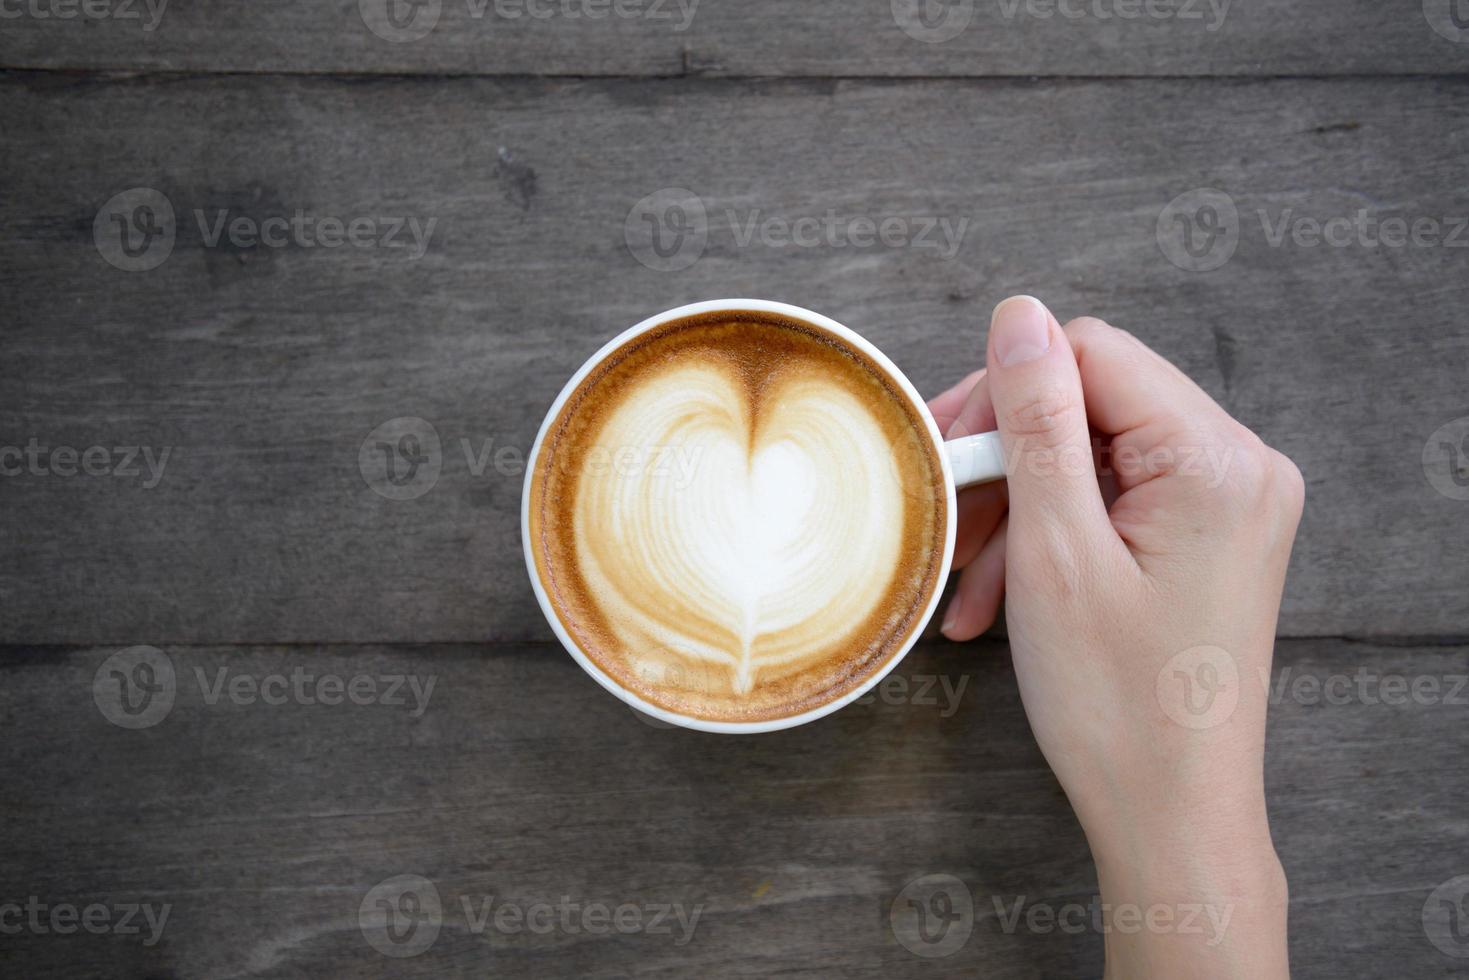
column 236, row 515
column 264, row 827
column 752, row 37
column 263, row 370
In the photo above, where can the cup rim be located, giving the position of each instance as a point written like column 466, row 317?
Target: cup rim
column 633, row 700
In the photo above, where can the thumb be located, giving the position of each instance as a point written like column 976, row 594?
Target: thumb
column 1036, row 389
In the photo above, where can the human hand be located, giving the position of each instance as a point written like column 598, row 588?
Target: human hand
column 1131, row 600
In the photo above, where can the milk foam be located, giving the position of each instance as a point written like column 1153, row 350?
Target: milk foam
column 778, row 532
column 738, row 517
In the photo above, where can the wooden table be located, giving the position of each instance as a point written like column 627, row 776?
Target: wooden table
column 1272, row 194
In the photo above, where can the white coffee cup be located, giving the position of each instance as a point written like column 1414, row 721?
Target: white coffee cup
column 966, row 461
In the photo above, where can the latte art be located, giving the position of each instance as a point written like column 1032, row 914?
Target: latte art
column 738, row 517
column 786, row 534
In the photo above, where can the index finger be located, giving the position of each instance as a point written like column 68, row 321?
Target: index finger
column 1128, row 386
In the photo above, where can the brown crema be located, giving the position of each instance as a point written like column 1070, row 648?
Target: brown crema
column 738, row 516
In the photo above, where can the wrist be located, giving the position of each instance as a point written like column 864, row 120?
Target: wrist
column 1216, row 820
column 1228, row 841
column 1220, row 871
column 1210, row 900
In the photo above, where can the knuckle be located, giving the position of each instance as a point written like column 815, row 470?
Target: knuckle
column 1248, row 473
column 1045, row 415
column 1122, row 350
column 1290, row 484
column 1086, row 327
column 1258, row 476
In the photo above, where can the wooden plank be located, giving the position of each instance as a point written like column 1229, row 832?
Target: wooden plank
column 264, row 371
column 822, row 38
column 264, row 826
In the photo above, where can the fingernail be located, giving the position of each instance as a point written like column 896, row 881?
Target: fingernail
column 1021, row 328
column 952, row 615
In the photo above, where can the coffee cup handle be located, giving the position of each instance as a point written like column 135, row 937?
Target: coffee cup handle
column 976, row 459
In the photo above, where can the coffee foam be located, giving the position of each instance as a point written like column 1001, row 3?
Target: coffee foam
column 738, row 517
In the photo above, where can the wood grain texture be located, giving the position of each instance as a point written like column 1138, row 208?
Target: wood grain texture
column 264, row 370
column 821, row 38
column 265, row 826
column 267, row 376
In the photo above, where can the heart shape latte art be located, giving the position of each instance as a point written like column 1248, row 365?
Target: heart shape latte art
column 740, row 538
column 737, row 517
